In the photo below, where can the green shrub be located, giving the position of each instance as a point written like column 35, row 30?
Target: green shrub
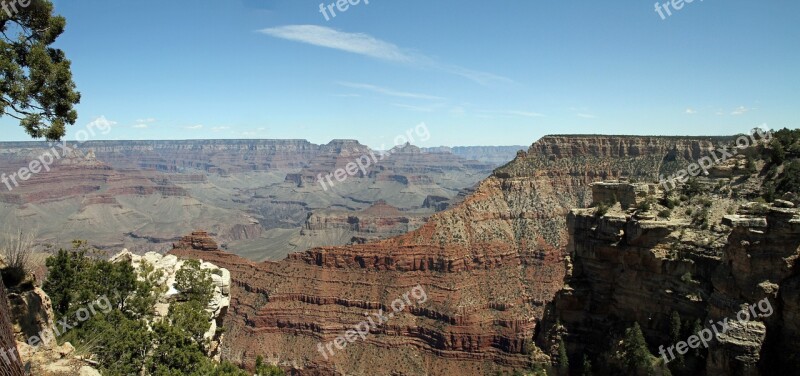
column 263, row 369
column 195, row 283
column 119, row 337
column 790, row 179
column 692, row 188
column 666, row 213
column 602, row 209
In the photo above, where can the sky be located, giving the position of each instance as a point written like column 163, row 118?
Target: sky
column 474, row 72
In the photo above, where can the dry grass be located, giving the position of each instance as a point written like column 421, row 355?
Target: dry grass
column 18, row 254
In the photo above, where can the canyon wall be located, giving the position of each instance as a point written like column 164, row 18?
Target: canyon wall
column 634, row 266
column 490, row 266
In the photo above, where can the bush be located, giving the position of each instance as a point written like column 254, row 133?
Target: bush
column 644, row 206
column 263, row 369
column 17, row 253
column 666, row 213
column 790, row 179
column 692, row 188
column 195, row 283
column 750, row 165
column 602, row 209
column 119, row 337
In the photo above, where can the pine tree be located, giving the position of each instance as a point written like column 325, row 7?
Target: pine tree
column 638, row 357
column 586, row 369
column 563, row 359
column 36, row 86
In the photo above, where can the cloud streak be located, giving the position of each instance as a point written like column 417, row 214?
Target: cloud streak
column 389, row 92
column 367, row 45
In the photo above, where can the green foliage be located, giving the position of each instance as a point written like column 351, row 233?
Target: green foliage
column 191, row 317
column 750, row 165
column 563, row 359
column 670, row 202
column 638, row 358
column 140, row 303
column 705, row 201
column 692, row 188
column 176, row 353
column 263, row 369
column 675, row 326
column 119, row 336
column 701, row 218
column 602, row 209
column 696, row 328
column 675, row 330
column 36, row 86
column 778, row 153
column 586, row 367
column 643, row 206
column 121, row 344
column 790, row 179
column 228, row 369
column 65, row 268
column 666, row 213
column 195, row 283
column 768, row 191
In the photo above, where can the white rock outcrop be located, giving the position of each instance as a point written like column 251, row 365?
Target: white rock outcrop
column 169, row 266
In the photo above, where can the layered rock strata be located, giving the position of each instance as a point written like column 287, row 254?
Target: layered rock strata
column 489, row 265
column 628, row 269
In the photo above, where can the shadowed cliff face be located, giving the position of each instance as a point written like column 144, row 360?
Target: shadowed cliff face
column 637, row 266
column 489, row 266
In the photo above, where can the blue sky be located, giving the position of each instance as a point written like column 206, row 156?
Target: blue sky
column 475, row 72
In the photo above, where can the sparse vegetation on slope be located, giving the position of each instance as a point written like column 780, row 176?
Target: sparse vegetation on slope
column 128, row 338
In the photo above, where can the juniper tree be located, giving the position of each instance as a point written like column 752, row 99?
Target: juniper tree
column 36, row 86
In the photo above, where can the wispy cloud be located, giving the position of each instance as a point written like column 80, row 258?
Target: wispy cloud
column 586, row 116
column 193, row 127
column 367, row 45
column 219, row 129
column 413, row 108
column 389, row 92
column 143, row 123
column 530, row 114
column 525, row 113
column 690, row 111
column 101, row 122
column 357, row 43
column 741, row 110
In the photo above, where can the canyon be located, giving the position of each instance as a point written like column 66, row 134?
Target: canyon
column 255, row 196
column 506, row 265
